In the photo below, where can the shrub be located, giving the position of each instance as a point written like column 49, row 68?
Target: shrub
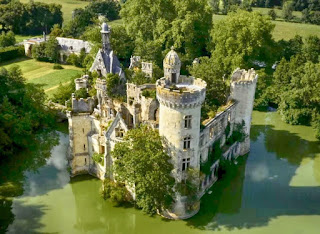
column 149, row 93
column 57, row 66
column 11, row 52
column 7, row 39
column 98, row 158
column 272, row 14
column 81, row 93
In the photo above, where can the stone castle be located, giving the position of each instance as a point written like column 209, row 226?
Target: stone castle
column 96, row 124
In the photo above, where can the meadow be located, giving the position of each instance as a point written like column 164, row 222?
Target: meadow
column 67, row 6
column 43, row 73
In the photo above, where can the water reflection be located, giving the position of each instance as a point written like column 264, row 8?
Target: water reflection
column 280, row 178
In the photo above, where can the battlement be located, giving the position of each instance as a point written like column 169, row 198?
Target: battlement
column 82, row 105
column 101, row 84
column 244, row 77
column 190, row 92
column 82, row 82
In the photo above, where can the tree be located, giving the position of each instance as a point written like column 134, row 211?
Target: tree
column 56, row 31
column 311, row 49
column 215, row 4
column 141, row 162
column 240, row 39
column 107, row 8
column 64, row 92
column 7, row 39
column 217, row 89
column 22, row 111
column 287, row 10
column 52, row 49
column 272, row 13
column 157, row 25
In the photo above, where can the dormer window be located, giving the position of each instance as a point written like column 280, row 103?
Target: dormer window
column 119, row 132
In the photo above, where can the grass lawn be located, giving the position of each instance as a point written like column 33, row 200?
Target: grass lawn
column 43, row 73
column 287, row 30
column 67, row 6
column 20, row 38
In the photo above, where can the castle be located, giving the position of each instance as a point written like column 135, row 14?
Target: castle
column 96, row 124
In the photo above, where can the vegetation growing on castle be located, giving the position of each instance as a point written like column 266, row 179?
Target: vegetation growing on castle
column 141, row 162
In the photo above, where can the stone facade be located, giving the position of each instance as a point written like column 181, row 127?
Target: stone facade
column 67, row 46
column 175, row 112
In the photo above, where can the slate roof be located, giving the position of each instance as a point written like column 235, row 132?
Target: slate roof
column 73, row 45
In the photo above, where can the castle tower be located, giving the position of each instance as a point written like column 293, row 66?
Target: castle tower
column 243, row 87
column 180, row 112
column 180, row 99
column 105, row 32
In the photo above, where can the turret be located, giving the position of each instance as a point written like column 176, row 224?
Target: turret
column 172, row 66
column 243, row 87
column 105, row 31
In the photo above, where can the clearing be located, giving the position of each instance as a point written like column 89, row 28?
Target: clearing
column 43, row 73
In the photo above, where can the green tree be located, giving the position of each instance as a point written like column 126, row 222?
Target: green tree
column 52, row 49
column 240, row 39
column 64, row 92
column 141, row 162
column 287, row 10
column 56, row 31
column 22, row 111
column 157, row 25
column 311, row 49
column 7, row 39
column 217, row 89
column 272, row 13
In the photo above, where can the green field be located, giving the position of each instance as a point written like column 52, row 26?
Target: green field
column 43, row 73
column 67, row 6
column 287, row 30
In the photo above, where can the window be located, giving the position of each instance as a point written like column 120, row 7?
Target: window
column 83, row 130
column 84, row 147
column 85, row 161
column 119, row 133
column 187, row 121
column 186, row 142
column 185, row 164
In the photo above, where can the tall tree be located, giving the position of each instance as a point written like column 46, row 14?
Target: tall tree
column 141, row 162
column 240, row 39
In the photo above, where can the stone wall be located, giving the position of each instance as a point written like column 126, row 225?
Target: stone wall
column 243, row 87
column 83, row 105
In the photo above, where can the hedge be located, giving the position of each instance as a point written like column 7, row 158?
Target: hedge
column 11, row 52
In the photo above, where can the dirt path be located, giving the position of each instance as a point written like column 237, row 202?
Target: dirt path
column 54, row 87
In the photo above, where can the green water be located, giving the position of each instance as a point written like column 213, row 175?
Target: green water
column 276, row 189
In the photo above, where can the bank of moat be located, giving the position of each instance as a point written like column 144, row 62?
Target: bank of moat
column 97, row 123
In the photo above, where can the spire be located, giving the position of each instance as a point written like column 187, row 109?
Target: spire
column 105, row 32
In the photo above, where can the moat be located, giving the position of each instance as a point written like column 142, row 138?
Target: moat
column 276, row 189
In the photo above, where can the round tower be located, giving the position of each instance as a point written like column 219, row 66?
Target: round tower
column 180, row 99
column 243, row 88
